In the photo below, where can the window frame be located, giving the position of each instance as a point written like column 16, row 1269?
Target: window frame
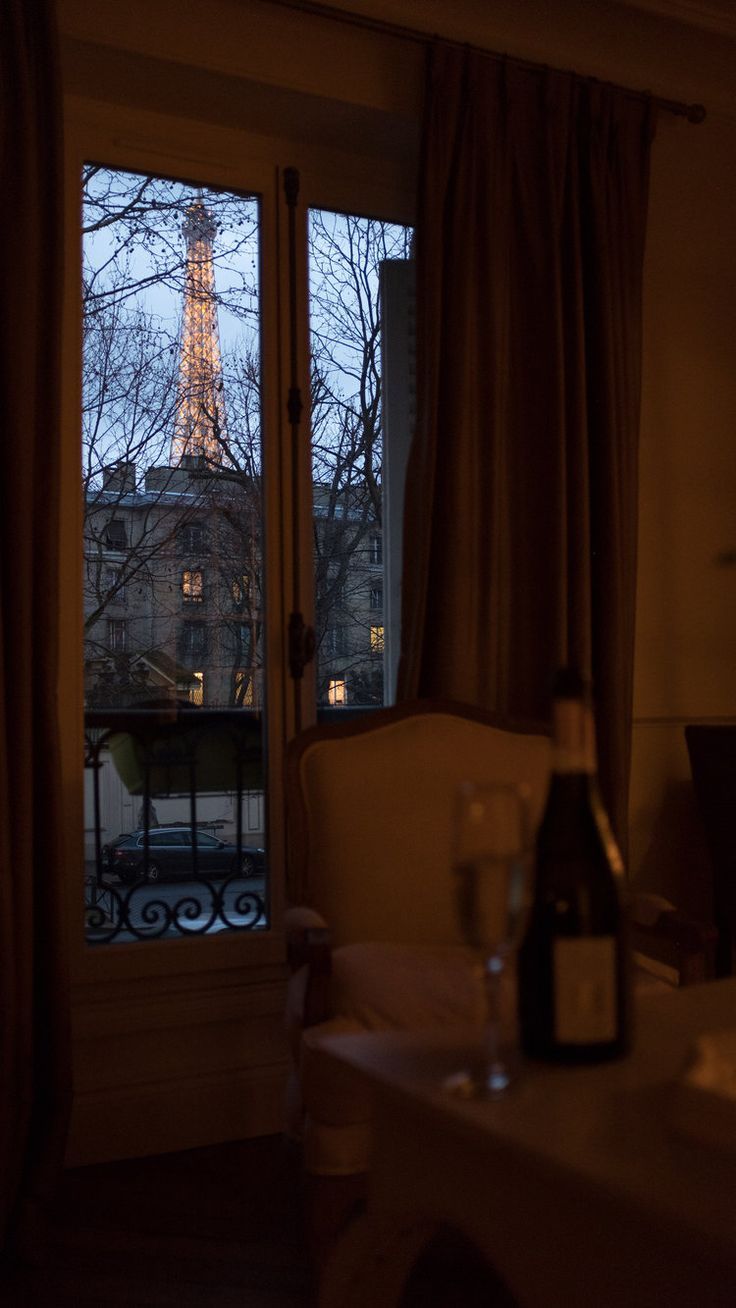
column 137, row 139
column 114, row 546
column 193, row 539
column 117, row 635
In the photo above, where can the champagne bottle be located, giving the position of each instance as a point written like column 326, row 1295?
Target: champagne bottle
column 573, row 964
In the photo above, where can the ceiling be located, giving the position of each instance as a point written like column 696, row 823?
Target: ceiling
column 710, row 15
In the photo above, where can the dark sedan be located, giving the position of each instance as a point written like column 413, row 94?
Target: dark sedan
column 170, row 855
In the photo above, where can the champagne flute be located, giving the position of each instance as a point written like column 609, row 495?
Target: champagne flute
column 492, row 857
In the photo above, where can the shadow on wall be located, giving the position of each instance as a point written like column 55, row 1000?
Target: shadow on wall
column 676, row 862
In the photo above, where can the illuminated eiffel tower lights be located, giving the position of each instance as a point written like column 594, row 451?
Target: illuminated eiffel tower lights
column 199, row 426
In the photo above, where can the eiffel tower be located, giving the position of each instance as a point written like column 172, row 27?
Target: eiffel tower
column 200, row 429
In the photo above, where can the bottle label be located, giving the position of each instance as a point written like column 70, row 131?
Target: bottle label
column 585, row 989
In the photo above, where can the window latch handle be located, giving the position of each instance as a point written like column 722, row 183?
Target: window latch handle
column 301, row 645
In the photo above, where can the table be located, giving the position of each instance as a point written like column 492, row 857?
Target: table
column 577, row 1187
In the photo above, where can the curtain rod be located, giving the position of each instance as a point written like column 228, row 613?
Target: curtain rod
column 694, row 113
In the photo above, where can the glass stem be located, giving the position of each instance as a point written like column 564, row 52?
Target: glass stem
column 494, row 1073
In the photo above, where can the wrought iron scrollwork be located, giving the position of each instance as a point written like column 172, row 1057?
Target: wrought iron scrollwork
column 194, row 909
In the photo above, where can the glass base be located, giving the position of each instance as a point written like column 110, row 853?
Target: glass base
column 491, row 1084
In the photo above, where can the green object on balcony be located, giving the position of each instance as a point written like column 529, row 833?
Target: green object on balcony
column 215, row 753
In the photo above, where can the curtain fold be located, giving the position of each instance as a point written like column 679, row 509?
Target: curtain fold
column 521, row 502
column 34, row 1029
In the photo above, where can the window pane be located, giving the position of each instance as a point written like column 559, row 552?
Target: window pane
column 348, row 260
column 192, row 586
column 171, row 463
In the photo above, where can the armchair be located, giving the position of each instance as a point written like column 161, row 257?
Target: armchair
column 372, row 931
column 373, row 935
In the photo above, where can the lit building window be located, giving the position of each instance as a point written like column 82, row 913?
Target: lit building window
column 192, row 586
column 377, row 640
column 337, row 691
column 196, row 692
column 241, row 590
column 244, row 688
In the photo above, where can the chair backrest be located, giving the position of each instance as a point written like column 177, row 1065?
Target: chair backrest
column 372, row 806
column 712, row 751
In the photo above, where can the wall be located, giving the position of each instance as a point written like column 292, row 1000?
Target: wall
column 686, row 639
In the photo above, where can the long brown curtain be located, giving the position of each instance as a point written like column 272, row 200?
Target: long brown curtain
column 521, row 502
column 34, row 1044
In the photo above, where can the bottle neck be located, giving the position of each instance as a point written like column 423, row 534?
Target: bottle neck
column 573, row 740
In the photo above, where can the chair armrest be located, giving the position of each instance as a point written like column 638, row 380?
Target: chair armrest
column 674, row 939
column 305, row 928
column 317, row 1002
column 308, row 946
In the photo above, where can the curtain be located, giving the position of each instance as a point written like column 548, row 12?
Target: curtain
column 34, row 1041
column 521, row 503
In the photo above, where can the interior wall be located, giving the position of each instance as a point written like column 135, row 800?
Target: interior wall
column 686, row 613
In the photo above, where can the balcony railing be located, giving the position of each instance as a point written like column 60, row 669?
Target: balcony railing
column 187, row 753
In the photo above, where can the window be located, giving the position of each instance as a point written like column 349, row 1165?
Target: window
column 180, row 424
column 115, row 584
column 337, row 641
column 193, row 538
column 243, row 688
column 172, row 392
column 164, row 839
column 376, row 640
column 241, row 643
column 206, row 842
column 116, row 534
column 240, row 590
column 193, row 641
column 335, row 588
column 337, row 692
column 350, row 438
column 192, row 586
column 117, row 635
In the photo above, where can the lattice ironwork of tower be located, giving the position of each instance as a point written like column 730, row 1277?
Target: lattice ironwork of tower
column 199, row 426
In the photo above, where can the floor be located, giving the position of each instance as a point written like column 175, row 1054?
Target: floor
column 211, row 1228
column 217, row 1226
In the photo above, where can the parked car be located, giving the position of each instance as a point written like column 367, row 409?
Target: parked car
column 170, row 855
